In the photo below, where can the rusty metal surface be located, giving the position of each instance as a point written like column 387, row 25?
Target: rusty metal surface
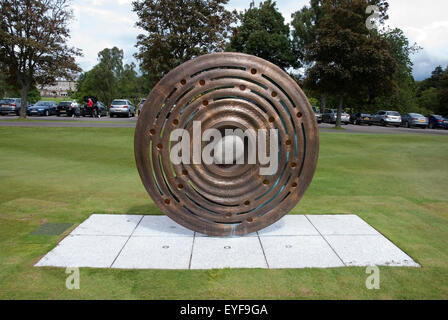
column 230, row 90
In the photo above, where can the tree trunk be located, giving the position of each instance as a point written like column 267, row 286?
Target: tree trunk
column 24, row 101
column 338, row 118
column 323, row 103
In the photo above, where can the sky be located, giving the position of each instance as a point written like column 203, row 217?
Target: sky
column 100, row 24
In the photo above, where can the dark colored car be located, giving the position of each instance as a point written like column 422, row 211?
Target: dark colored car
column 66, row 108
column 361, row 118
column 436, row 122
column 42, row 108
column 11, row 106
column 97, row 110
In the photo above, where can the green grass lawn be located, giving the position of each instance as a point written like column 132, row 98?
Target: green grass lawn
column 397, row 183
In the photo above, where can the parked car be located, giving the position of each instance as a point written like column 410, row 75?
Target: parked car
column 11, row 106
column 318, row 115
column 436, row 122
column 66, row 108
column 140, row 106
column 120, row 107
column 331, row 115
column 361, row 118
column 410, row 120
column 97, row 110
column 42, row 108
column 386, row 118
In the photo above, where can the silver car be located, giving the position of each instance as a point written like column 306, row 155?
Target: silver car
column 410, row 120
column 331, row 115
column 121, row 107
column 11, row 106
column 386, row 118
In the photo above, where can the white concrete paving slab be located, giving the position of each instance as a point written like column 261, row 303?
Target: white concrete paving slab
column 155, row 253
column 369, row 251
column 290, row 225
column 341, row 225
column 220, row 253
column 161, row 226
column 299, row 252
column 84, row 251
column 108, row 225
column 157, row 242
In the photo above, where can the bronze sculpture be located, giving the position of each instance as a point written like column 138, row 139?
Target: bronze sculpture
column 226, row 91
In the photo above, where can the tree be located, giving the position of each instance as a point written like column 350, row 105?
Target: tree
column 33, row 49
column 127, row 83
column 428, row 101
column 304, row 23
column 404, row 99
column 102, row 80
column 442, row 94
column 349, row 59
column 179, row 30
column 263, row 33
column 304, row 33
column 432, row 92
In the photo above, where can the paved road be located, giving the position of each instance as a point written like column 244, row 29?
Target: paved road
column 107, row 122
column 58, row 122
column 324, row 127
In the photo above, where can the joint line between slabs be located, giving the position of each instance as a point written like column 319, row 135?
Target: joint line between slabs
column 326, row 241
column 262, row 249
column 192, row 248
column 124, row 245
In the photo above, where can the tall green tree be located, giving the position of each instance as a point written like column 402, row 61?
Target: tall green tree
column 127, row 83
column 102, row 81
column 304, row 33
column 405, row 98
column 305, row 24
column 432, row 92
column 263, row 33
column 33, row 43
column 442, row 94
column 179, row 30
column 349, row 60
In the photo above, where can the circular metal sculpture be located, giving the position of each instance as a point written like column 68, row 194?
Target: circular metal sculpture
column 226, row 91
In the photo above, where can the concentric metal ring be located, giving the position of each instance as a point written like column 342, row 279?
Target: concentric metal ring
column 226, row 91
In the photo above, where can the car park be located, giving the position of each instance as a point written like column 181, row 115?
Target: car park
column 66, row 108
column 361, row 118
column 318, row 115
column 437, row 122
column 410, row 120
column 11, row 106
column 121, row 107
column 96, row 110
column 385, row 118
column 331, row 115
column 42, row 108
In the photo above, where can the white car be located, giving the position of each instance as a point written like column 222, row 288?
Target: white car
column 386, row 118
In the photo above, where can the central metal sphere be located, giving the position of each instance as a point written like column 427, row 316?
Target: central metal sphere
column 219, row 92
column 230, row 148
